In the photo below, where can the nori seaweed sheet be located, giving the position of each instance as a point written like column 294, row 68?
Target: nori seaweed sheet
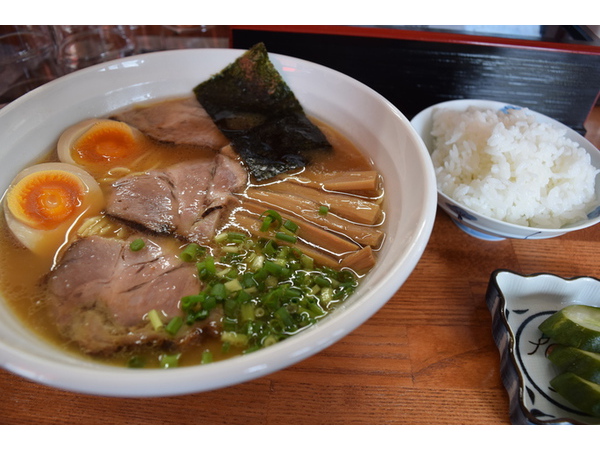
column 257, row 111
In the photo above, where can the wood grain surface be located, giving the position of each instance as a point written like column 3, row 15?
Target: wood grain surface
column 427, row 357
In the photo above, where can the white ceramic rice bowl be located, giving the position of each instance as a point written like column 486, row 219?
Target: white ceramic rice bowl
column 31, row 125
column 487, row 228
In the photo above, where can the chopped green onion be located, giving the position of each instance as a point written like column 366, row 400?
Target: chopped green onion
column 261, row 274
column 155, row 320
column 291, row 226
column 221, row 237
column 327, row 295
column 272, row 281
column 286, row 237
column 284, row 252
column 270, row 340
column 323, row 210
column 169, row 361
column 322, row 281
column 257, row 263
column 233, row 285
column 191, row 252
column 236, row 237
column 207, row 266
column 230, row 308
column 190, row 300
column 218, row 290
column 270, row 248
column 209, row 303
column 235, row 339
column 273, row 268
column 248, row 281
column 225, row 347
column 136, row 362
column 137, row 244
column 266, row 223
column 224, row 272
column 207, row 357
column 285, row 316
column 270, row 216
column 307, row 262
column 267, row 288
column 293, row 293
column 247, row 312
column 243, row 296
column 174, row 325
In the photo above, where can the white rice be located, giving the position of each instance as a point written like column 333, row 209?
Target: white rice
column 508, row 166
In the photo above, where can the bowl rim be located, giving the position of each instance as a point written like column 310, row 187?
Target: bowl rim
column 425, row 115
column 102, row 379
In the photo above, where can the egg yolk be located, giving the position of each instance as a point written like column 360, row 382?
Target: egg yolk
column 107, row 141
column 44, row 200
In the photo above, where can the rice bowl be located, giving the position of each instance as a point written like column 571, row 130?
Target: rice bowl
column 508, row 172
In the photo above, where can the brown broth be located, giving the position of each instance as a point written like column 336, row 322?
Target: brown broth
column 22, row 273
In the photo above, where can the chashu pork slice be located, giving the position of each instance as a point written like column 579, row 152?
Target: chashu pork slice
column 101, row 292
column 188, row 200
column 181, row 121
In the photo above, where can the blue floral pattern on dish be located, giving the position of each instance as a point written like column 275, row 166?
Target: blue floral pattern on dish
column 506, row 109
column 519, row 304
column 461, row 213
column 595, row 213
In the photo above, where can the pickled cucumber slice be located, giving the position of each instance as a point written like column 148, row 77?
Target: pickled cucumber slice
column 576, row 326
column 583, row 394
column 580, row 362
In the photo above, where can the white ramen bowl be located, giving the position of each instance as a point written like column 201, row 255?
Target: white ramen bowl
column 31, row 125
column 487, row 228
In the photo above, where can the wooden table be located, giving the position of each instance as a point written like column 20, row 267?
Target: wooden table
column 427, row 357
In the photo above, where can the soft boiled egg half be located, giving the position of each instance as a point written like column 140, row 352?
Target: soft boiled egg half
column 46, row 201
column 98, row 145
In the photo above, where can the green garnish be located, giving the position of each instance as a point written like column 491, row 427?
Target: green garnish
column 136, row 362
column 206, row 267
column 207, row 357
column 137, row 244
column 169, row 361
column 192, row 252
column 286, row 237
column 268, row 289
column 155, row 320
column 270, row 217
column 291, row 226
column 174, row 325
column 323, row 210
column 236, row 237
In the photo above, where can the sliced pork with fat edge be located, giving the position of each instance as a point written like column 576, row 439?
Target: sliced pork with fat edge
column 187, row 199
column 102, row 291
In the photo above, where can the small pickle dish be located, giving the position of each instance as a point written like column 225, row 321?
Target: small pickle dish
column 519, row 304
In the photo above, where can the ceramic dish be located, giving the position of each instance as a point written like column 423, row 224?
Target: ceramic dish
column 519, row 304
column 487, row 228
column 30, row 126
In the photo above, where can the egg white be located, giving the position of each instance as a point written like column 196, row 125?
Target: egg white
column 48, row 242
column 74, row 132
